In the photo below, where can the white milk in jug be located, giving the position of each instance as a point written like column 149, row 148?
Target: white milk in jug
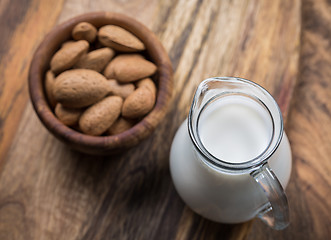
column 233, row 129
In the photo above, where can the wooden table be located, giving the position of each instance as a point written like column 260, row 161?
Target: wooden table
column 48, row 191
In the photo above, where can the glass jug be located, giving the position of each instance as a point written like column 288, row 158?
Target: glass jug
column 230, row 160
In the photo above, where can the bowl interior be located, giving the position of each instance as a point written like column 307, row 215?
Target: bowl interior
column 100, row 144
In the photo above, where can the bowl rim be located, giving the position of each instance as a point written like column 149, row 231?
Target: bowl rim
column 52, row 41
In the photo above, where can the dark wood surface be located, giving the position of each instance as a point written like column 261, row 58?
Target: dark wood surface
column 48, row 191
column 309, row 129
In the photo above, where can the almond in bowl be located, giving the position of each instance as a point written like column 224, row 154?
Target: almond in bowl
column 100, row 82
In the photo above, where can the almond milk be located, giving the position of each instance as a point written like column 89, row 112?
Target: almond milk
column 233, row 129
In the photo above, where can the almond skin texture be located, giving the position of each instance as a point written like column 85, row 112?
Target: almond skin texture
column 84, row 31
column 147, row 82
column 95, row 60
column 119, row 39
column 80, row 88
column 129, row 67
column 67, row 56
column 49, row 85
column 99, row 117
column 67, row 43
column 121, row 125
column 122, row 90
column 68, row 116
column 139, row 103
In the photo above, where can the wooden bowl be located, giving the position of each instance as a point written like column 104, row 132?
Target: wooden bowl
column 100, row 145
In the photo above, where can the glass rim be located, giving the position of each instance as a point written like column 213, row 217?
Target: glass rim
column 250, row 164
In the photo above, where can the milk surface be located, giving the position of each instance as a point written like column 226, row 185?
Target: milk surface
column 235, row 129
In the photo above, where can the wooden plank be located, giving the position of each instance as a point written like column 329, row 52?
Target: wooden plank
column 22, row 24
column 309, row 127
column 244, row 46
column 50, row 192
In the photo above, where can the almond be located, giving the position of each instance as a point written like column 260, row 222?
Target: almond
column 147, row 82
column 49, row 85
column 67, row 56
column 119, row 39
column 67, row 44
column 139, row 103
column 99, row 117
column 122, row 90
column 121, row 125
column 80, row 88
column 129, row 67
column 68, row 116
column 84, row 31
column 95, row 60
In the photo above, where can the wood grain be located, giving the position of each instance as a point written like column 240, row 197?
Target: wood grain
column 309, row 126
column 50, row 192
column 22, row 24
column 215, row 43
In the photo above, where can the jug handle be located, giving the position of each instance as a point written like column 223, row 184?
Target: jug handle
column 275, row 213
